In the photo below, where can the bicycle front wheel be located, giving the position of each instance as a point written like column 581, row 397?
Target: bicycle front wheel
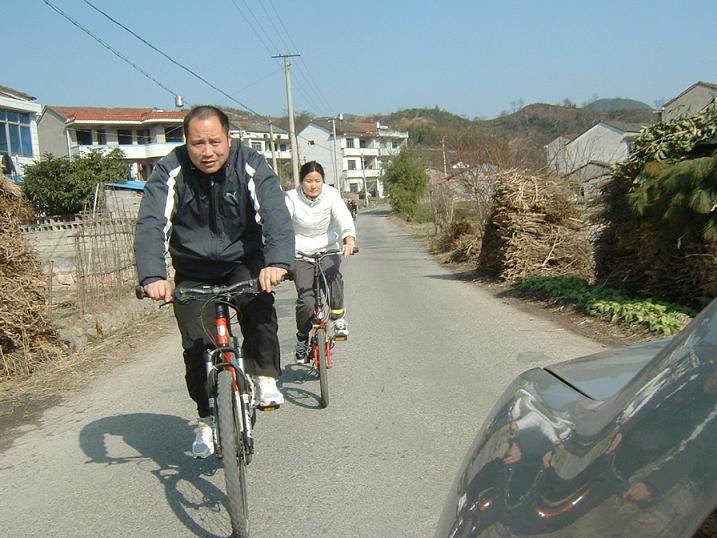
column 322, row 350
column 233, row 455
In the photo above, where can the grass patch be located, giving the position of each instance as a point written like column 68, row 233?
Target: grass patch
column 608, row 303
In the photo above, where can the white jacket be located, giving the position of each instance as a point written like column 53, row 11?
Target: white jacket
column 320, row 223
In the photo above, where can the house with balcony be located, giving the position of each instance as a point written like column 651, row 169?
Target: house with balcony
column 19, row 142
column 354, row 154
column 699, row 98
column 257, row 134
column 144, row 135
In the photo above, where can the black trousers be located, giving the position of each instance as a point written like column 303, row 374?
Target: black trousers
column 306, row 300
column 259, row 325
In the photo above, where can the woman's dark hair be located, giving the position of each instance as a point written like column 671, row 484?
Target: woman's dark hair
column 311, row 166
column 204, row 112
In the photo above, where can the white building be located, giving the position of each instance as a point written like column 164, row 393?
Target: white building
column 356, row 159
column 18, row 128
column 699, row 98
column 144, row 135
column 257, row 135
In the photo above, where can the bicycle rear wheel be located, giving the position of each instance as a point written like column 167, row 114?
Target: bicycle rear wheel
column 233, row 455
column 322, row 349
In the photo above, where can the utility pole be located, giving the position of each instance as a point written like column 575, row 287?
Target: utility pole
column 336, row 176
column 290, row 106
column 443, row 147
column 273, row 148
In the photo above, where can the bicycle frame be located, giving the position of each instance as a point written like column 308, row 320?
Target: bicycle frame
column 227, row 356
column 320, row 319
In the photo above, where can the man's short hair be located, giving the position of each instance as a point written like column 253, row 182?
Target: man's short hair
column 204, row 112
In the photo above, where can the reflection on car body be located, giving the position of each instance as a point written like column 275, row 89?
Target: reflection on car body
column 619, row 443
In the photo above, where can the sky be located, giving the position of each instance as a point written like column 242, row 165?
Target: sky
column 473, row 58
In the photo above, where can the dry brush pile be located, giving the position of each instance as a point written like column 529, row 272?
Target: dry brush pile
column 535, row 230
column 26, row 335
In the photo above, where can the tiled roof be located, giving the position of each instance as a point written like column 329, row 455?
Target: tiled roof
column 627, row 127
column 15, row 94
column 86, row 113
column 256, row 126
column 344, row 127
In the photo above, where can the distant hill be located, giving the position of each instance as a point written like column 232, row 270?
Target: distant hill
column 535, row 125
column 539, row 123
column 616, row 103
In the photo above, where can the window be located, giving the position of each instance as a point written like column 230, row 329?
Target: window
column 256, row 146
column 282, row 147
column 124, row 136
column 173, row 134
column 143, row 136
column 84, row 137
column 362, row 143
column 349, row 142
column 353, row 187
column 351, row 164
column 15, row 135
column 101, row 137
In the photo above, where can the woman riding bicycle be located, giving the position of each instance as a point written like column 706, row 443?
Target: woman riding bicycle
column 321, row 219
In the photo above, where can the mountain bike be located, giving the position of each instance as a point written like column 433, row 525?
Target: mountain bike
column 321, row 339
column 231, row 393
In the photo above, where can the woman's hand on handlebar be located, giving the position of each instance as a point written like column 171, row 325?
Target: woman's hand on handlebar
column 348, row 247
column 159, row 290
column 271, row 276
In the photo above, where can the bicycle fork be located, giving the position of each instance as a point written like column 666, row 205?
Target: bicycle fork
column 228, row 346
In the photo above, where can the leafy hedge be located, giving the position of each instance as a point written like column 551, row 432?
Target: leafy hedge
column 659, row 214
column 608, row 303
column 60, row 186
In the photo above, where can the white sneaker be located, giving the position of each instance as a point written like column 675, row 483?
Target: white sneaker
column 203, row 445
column 341, row 329
column 267, row 393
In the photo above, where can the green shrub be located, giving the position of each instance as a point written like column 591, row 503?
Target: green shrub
column 406, row 180
column 60, row 186
column 609, row 303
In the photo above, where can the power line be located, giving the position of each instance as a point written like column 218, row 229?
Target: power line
column 260, row 36
column 301, row 59
column 110, row 48
column 145, row 73
column 175, row 62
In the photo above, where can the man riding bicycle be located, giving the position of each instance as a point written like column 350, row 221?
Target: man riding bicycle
column 217, row 208
column 321, row 219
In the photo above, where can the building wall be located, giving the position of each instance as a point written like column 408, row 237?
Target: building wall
column 51, row 132
column 320, row 151
column 695, row 101
column 600, row 143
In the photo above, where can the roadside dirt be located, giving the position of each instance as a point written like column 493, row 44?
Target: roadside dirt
column 23, row 400
column 567, row 317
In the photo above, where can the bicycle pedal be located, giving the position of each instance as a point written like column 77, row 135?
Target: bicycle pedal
column 268, row 408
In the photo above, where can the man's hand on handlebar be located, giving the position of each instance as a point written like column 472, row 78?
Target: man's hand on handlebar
column 271, row 276
column 160, row 290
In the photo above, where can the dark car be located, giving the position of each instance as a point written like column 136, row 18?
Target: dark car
column 620, row 443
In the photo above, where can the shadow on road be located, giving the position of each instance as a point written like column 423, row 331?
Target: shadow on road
column 160, row 442
column 291, row 382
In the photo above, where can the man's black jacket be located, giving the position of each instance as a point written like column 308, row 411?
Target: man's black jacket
column 211, row 223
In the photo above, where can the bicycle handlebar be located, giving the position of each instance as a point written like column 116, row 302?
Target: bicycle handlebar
column 184, row 295
column 322, row 253
column 245, row 287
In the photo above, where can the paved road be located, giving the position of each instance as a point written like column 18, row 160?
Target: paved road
column 426, row 358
